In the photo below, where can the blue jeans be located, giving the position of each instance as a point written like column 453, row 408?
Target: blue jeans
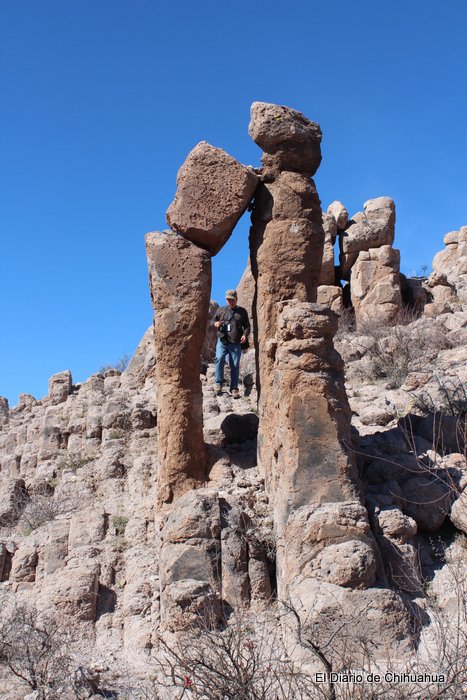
column 234, row 351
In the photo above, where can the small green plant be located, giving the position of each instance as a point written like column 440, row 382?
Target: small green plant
column 116, row 434
column 73, row 461
column 119, row 522
column 53, row 482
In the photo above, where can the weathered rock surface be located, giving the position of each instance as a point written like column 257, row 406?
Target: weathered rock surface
column 180, row 283
column 331, row 297
column 372, row 228
column 327, row 275
column 289, row 140
column 375, row 286
column 213, row 191
column 340, row 215
column 452, row 262
column 60, row 387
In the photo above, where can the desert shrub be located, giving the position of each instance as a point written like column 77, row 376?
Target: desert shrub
column 391, row 353
column 34, row 651
column 120, row 365
column 73, row 461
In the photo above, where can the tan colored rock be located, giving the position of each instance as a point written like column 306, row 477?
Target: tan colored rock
column 289, row 140
column 60, row 387
column 213, row 191
column 246, row 293
column 75, row 592
column 327, row 276
column 24, row 563
column 339, row 618
column 331, row 297
column 340, row 215
column 458, row 513
column 372, row 228
column 87, row 527
column 375, row 286
column 452, row 262
column 180, row 283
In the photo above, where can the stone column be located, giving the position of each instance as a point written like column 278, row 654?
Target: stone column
column 180, row 283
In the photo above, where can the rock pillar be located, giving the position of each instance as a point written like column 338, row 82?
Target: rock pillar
column 303, row 410
column 180, row 283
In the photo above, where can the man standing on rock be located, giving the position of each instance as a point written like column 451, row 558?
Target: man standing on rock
column 233, row 329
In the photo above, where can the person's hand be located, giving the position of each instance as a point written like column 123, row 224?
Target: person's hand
column 243, row 339
column 217, row 324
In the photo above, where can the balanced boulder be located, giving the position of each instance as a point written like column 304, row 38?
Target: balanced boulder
column 213, row 191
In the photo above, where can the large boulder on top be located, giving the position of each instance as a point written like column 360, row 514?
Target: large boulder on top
column 290, row 141
column 213, row 191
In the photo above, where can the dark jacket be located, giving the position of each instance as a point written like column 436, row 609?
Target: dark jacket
column 238, row 320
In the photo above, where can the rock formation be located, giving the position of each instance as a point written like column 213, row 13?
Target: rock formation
column 375, row 286
column 452, row 263
column 304, row 434
column 213, row 191
column 180, row 283
column 372, row 228
column 133, row 504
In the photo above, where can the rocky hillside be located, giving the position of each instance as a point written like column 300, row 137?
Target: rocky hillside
column 158, row 540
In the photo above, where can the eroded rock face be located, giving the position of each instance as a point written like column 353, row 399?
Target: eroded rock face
column 339, row 213
column 180, row 283
column 213, row 191
column 375, row 286
column 327, row 276
column 289, row 140
column 452, row 262
column 372, row 228
column 60, row 387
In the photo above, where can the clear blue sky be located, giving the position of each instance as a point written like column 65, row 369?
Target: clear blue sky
column 101, row 100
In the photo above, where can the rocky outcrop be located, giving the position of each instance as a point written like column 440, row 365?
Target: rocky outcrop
column 340, row 215
column 375, row 286
column 180, row 283
column 60, row 387
column 448, row 283
column 372, row 228
column 213, row 191
column 327, row 275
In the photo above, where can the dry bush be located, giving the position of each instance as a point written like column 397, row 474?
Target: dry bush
column 34, row 651
column 392, row 352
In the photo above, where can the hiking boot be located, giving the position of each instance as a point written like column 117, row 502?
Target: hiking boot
column 218, row 389
column 235, row 394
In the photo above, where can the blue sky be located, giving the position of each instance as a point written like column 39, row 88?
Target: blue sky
column 101, row 100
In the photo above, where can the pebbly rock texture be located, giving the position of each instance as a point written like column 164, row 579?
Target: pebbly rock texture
column 289, row 140
column 375, row 287
column 452, row 262
column 180, row 283
column 213, row 191
column 372, row 228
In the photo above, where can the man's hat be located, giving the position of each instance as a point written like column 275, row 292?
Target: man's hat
column 231, row 294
